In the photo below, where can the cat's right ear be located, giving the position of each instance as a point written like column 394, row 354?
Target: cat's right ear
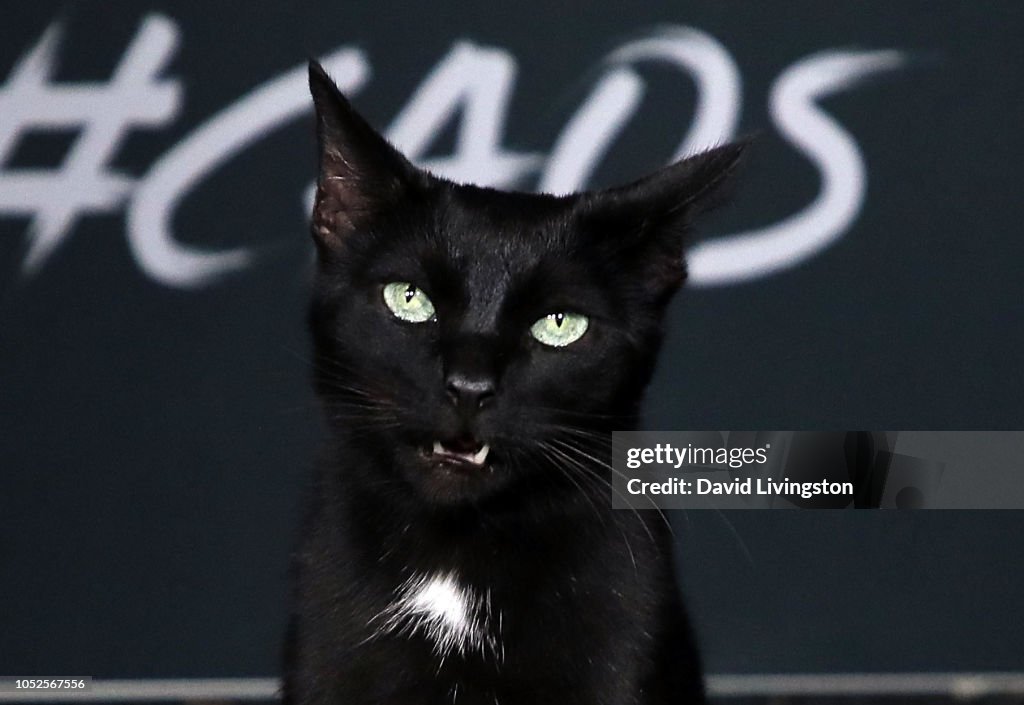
column 361, row 175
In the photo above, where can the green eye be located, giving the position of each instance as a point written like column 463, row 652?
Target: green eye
column 408, row 302
column 560, row 329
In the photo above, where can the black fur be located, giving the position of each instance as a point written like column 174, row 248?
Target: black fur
column 584, row 606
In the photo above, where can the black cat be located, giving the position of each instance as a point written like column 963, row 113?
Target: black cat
column 474, row 349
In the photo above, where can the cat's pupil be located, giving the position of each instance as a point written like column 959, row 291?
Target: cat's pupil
column 410, row 294
column 559, row 317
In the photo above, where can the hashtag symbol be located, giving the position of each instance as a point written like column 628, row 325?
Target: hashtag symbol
column 103, row 114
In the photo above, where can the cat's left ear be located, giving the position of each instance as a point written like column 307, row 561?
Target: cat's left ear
column 646, row 221
column 361, row 175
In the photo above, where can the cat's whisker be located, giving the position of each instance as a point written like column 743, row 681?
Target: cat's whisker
column 729, row 525
column 572, row 467
column 582, row 490
column 344, row 385
column 321, row 364
column 297, row 355
column 339, row 376
column 594, row 473
column 622, row 533
column 608, row 466
column 370, row 406
column 570, row 414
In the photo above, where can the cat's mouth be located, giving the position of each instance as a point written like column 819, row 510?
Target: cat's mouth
column 466, row 452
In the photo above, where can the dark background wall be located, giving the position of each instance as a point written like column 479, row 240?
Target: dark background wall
column 155, row 436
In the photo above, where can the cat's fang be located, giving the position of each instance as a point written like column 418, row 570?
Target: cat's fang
column 481, row 455
column 477, row 457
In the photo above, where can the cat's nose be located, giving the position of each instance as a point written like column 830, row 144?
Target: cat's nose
column 469, row 393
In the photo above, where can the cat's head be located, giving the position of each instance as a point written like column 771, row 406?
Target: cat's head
column 480, row 342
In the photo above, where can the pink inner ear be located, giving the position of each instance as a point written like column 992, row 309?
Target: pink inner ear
column 332, row 217
column 349, row 193
column 361, row 175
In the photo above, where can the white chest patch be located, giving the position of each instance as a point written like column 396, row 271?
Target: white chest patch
column 449, row 613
